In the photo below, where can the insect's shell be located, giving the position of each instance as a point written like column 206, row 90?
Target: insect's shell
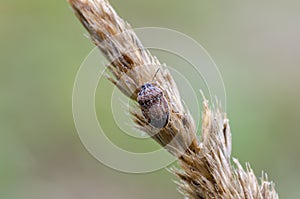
column 154, row 105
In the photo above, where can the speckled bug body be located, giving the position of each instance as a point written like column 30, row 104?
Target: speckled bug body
column 154, row 105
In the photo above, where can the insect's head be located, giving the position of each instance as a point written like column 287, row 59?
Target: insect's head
column 149, row 94
column 150, row 90
column 146, row 86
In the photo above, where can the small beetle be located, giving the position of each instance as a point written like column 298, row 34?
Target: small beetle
column 154, row 105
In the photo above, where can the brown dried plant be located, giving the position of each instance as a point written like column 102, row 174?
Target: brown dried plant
column 206, row 171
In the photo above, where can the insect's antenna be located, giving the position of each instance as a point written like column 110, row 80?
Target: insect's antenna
column 155, row 74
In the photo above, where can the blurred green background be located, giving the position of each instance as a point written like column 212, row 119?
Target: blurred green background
column 255, row 44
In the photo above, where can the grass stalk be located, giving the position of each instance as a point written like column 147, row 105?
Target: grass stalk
column 205, row 170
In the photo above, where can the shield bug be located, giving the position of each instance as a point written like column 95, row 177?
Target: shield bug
column 154, row 105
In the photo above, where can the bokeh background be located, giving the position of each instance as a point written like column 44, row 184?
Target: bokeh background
column 255, row 44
